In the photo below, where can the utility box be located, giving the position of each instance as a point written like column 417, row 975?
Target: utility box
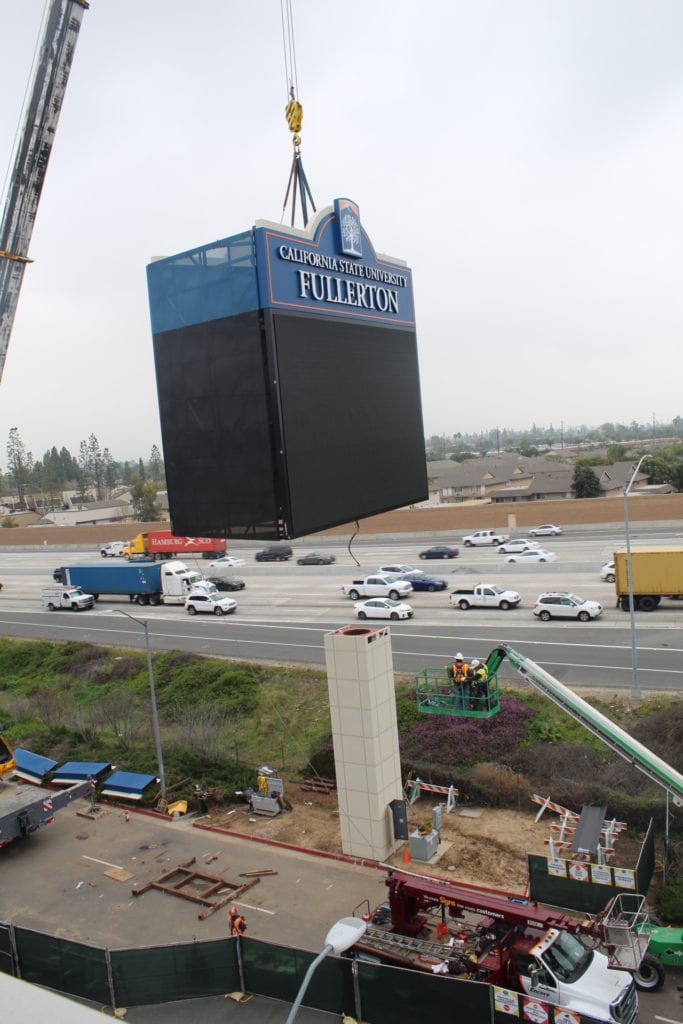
column 424, row 847
column 436, row 818
column 399, row 818
column 268, row 805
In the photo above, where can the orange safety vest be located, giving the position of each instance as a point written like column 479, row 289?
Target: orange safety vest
column 238, row 925
column 459, row 672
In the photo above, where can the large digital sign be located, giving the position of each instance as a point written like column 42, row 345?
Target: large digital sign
column 288, row 380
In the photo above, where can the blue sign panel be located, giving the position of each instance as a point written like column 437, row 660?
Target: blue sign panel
column 332, row 269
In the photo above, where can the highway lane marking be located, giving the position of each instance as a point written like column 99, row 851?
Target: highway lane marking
column 264, row 624
column 558, row 664
column 406, row 654
column 289, row 627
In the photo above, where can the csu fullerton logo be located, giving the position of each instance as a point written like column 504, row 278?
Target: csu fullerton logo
column 348, row 221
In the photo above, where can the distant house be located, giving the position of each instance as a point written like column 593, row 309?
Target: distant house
column 94, row 513
column 453, row 482
column 614, row 478
column 552, row 485
column 511, row 478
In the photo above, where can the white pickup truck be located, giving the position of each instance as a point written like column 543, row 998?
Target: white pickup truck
column 485, row 595
column 72, row 598
column 484, row 537
column 114, row 550
column 381, row 585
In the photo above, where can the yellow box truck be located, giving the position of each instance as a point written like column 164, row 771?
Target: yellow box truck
column 656, row 572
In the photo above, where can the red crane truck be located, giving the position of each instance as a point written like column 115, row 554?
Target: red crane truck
column 503, row 939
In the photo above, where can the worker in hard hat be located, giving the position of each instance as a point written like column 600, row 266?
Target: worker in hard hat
column 479, row 685
column 459, row 671
column 238, row 925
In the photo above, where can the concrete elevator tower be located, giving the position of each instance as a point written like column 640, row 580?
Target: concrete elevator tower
column 360, row 681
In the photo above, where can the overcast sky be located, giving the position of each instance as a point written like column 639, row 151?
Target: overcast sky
column 525, row 157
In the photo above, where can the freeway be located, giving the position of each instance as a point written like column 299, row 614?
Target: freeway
column 286, row 610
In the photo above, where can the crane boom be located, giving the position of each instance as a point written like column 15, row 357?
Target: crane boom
column 617, row 739
column 50, row 78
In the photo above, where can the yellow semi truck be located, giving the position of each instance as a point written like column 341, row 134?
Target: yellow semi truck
column 656, row 572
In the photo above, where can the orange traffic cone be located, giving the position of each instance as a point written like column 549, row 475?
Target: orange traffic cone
column 406, row 855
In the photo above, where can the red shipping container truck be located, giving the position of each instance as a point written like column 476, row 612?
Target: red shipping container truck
column 159, row 544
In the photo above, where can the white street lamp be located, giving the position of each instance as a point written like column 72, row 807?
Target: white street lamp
column 152, row 690
column 635, row 688
column 341, row 936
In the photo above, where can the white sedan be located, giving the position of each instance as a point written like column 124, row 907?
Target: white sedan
column 547, row 530
column 382, row 608
column 397, row 569
column 513, row 547
column 226, row 562
column 532, row 555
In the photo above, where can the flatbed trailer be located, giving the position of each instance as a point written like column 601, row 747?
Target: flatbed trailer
column 25, row 807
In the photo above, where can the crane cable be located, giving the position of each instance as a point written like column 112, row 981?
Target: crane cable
column 293, row 111
column 298, row 183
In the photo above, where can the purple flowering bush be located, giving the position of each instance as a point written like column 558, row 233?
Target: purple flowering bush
column 447, row 740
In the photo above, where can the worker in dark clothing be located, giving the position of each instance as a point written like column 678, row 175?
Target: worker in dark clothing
column 479, row 686
column 238, row 925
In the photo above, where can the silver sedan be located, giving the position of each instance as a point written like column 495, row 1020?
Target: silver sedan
column 532, row 555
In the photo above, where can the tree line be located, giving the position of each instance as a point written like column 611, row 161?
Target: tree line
column 534, row 439
column 665, row 466
column 38, row 484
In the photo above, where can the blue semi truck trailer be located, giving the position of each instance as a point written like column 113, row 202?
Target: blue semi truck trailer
column 142, row 582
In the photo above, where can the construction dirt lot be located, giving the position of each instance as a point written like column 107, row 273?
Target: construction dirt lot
column 481, row 845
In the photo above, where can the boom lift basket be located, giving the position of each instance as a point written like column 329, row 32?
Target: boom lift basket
column 437, row 694
column 626, row 945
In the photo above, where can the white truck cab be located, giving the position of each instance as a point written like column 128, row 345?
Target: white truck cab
column 113, row 550
column 559, row 969
column 177, row 581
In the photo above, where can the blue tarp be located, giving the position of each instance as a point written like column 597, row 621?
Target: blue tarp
column 129, row 785
column 32, row 767
column 79, row 771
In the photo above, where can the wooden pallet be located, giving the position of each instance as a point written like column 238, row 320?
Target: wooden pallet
column 318, row 785
column 184, row 882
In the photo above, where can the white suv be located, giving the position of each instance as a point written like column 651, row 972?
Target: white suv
column 607, row 572
column 213, row 604
column 565, row 606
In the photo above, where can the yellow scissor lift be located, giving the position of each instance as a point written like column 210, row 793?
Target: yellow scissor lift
column 438, row 695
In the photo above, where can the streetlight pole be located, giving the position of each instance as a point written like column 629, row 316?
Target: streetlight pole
column 340, row 937
column 152, row 689
column 635, row 687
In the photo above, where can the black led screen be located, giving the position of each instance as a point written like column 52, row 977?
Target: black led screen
column 278, row 426
column 215, row 428
column 351, row 419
